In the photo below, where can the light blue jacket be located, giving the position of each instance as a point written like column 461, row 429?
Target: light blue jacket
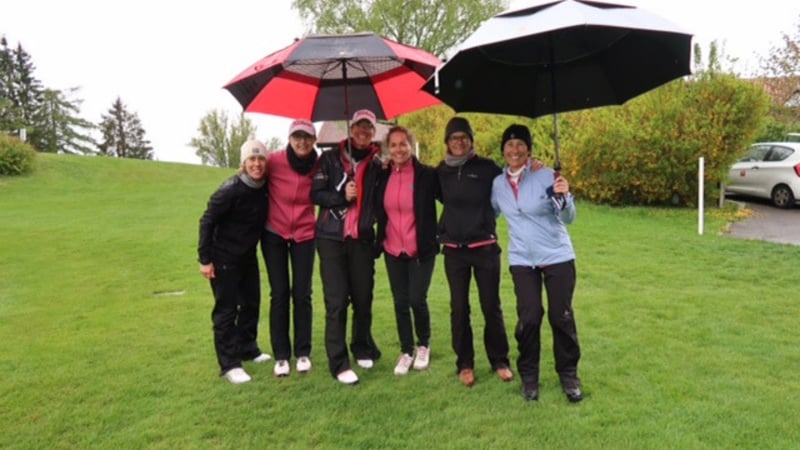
column 536, row 228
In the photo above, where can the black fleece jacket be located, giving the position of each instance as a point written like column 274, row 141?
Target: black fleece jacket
column 232, row 223
column 467, row 215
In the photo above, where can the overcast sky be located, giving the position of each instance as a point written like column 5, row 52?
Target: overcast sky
column 168, row 61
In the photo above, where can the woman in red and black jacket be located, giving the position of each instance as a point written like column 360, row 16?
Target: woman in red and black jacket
column 344, row 188
column 406, row 210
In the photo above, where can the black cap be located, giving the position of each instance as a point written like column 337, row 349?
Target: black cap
column 517, row 131
column 457, row 124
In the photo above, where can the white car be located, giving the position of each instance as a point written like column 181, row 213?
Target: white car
column 769, row 170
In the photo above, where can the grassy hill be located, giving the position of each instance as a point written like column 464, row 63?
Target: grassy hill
column 105, row 335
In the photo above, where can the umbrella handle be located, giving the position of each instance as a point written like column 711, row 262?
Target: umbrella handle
column 558, row 199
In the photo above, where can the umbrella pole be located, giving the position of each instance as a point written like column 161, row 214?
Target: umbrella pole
column 351, row 174
column 557, row 162
column 346, row 106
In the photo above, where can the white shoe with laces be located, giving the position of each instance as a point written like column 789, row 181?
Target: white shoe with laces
column 365, row 363
column 423, row 359
column 347, row 377
column 281, row 368
column 403, row 364
column 303, row 364
column 262, row 358
column 237, row 376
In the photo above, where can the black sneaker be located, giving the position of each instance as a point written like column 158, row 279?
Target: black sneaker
column 530, row 392
column 572, row 389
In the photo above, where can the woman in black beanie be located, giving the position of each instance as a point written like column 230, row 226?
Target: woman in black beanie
column 467, row 234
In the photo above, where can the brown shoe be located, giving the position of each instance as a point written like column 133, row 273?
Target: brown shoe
column 467, row 377
column 504, row 373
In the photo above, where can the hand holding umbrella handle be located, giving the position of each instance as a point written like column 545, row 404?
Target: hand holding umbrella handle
column 558, row 199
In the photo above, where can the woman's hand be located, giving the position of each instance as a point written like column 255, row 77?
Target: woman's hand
column 207, row 270
column 350, row 191
column 561, row 186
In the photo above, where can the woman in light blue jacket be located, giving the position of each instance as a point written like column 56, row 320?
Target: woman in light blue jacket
column 537, row 209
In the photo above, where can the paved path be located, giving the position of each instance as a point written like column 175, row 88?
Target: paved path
column 768, row 223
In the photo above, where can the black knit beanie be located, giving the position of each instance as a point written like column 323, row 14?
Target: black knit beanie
column 517, row 131
column 457, row 124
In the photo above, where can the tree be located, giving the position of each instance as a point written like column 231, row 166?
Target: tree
column 274, row 143
column 432, row 25
column 8, row 116
column 122, row 134
column 220, row 141
column 21, row 91
column 62, row 129
column 781, row 78
column 50, row 117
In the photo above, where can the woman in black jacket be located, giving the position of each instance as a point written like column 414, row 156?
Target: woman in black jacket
column 467, row 234
column 229, row 232
column 406, row 210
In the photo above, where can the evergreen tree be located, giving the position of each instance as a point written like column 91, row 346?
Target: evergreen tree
column 10, row 117
column 122, row 134
column 62, row 129
column 220, row 141
column 27, row 92
column 50, row 118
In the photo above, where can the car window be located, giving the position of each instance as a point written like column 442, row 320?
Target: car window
column 779, row 153
column 756, row 153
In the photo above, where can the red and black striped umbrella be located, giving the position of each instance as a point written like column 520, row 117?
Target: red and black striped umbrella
column 327, row 77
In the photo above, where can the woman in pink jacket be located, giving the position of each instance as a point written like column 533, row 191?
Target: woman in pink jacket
column 406, row 211
column 288, row 238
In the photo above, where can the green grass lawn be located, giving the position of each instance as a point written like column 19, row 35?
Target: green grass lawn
column 105, row 335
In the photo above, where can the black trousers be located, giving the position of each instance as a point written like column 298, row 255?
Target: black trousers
column 347, row 269
column 409, row 280
column 459, row 266
column 278, row 254
column 559, row 281
column 237, row 299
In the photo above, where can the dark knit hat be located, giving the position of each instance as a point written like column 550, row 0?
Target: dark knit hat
column 457, row 124
column 517, row 131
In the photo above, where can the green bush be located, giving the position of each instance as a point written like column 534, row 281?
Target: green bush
column 16, row 156
column 646, row 153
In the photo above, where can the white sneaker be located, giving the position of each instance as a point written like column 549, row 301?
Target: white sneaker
column 303, row 364
column 347, row 377
column 262, row 358
column 403, row 364
column 365, row 363
column 423, row 358
column 281, row 368
column 237, row 376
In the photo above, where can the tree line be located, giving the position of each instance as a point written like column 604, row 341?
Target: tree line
column 49, row 119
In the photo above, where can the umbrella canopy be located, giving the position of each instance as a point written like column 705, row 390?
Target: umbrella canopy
column 326, row 77
column 561, row 56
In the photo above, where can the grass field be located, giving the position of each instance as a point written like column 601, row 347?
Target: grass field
column 688, row 341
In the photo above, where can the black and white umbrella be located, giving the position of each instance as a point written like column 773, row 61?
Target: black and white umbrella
column 561, row 56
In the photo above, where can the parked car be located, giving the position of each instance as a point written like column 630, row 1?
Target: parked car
column 769, row 170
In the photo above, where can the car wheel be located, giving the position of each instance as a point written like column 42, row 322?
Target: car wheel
column 782, row 196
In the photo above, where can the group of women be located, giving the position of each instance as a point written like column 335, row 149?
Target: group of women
column 355, row 187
